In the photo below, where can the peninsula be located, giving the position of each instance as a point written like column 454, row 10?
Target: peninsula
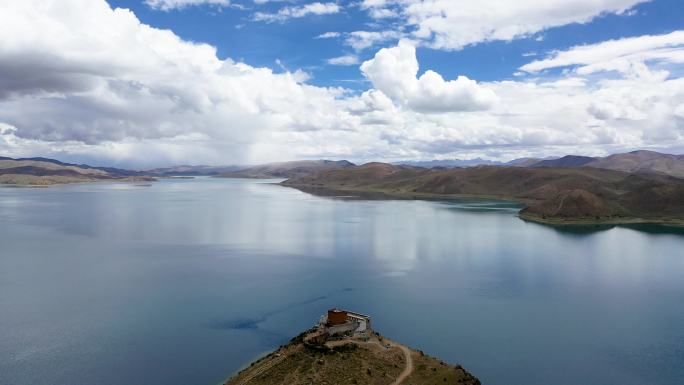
column 344, row 349
column 548, row 194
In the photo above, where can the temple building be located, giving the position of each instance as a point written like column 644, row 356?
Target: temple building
column 343, row 322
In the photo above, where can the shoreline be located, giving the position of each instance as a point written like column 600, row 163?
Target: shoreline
column 614, row 222
column 380, row 194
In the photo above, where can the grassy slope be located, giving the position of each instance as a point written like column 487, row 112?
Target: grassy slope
column 429, row 370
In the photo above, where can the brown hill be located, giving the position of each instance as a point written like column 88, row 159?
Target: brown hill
column 566, row 161
column 523, row 162
column 573, row 204
column 643, row 162
column 287, row 169
column 550, row 194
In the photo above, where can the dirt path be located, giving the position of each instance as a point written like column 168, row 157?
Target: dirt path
column 409, row 365
column 407, row 356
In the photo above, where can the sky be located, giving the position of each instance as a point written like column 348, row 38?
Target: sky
column 149, row 83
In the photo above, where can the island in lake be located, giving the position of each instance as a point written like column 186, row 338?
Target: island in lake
column 344, row 349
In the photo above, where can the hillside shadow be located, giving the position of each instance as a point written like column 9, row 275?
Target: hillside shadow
column 581, row 230
column 572, row 229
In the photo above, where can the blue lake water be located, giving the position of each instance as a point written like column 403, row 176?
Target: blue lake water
column 185, row 281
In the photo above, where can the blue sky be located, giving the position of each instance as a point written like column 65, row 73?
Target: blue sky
column 147, row 83
column 293, row 42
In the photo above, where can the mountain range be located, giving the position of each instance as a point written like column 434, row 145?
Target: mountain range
column 641, row 161
column 49, row 171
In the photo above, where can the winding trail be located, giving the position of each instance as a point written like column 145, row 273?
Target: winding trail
column 261, row 370
column 409, row 365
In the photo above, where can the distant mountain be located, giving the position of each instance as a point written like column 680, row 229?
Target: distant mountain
column 524, row 162
column 44, row 171
column 572, row 194
column 288, row 169
column 449, row 163
column 187, row 170
column 566, row 161
column 643, row 161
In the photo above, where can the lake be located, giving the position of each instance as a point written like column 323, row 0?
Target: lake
column 186, row 281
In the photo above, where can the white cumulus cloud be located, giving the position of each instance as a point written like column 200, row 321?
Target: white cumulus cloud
column 394, row 72
column 74, row 71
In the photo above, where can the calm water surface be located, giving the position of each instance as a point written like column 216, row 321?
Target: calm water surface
column 185, row 281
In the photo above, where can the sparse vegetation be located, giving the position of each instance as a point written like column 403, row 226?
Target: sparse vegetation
column 344, row 362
